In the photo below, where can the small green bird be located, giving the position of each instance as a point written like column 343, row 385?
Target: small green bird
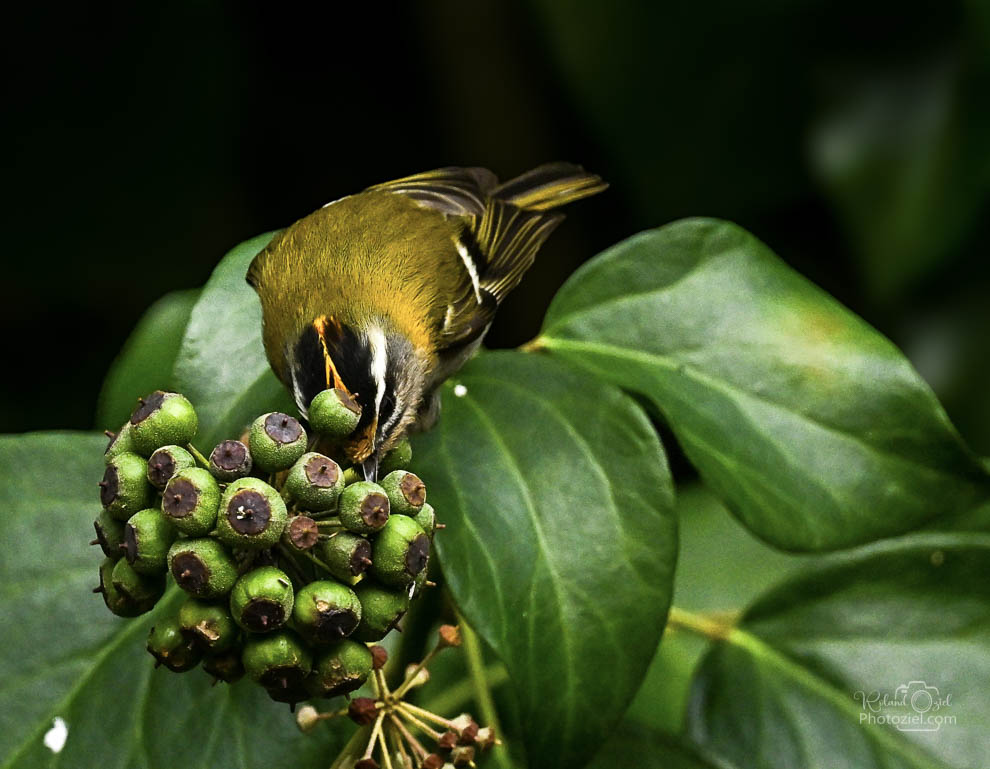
column 386, row 293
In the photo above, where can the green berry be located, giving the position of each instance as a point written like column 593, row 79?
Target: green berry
column 261, row 600
column 191, row 500
column 163, row 419
column 209, row 624
column 348, row 555
column 302, row 533
column 141, row 589
column 225, row 666
column 334, row 413
column 398, row 458
column 340, row 669
column 202, row 567
column 117, row 602
column 166, row 462
column 171, row 648
column 121, row 441
column 147, row 538
column 427, row 519
column 276, row 441
column 363, row 507
column 351, row 475
column 406, row 492
column 381, row 610
column 124, row 489
column 326, row 611
column 400, row 552
column 315, row 482
column 230, row 460
column 279, row 662
column 109, row 534
column 252, row 515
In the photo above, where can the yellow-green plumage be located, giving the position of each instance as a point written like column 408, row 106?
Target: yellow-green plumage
column 401, row 282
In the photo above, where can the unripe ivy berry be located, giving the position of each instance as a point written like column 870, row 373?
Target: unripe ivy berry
column 340, row 669
column 208, row 624
column 166, row 462
column 381, row 610
column 279, row 662
column 121, row 441
column 202, row 567
column 109, row 534
column 334, row 413
column 230, row 460
column 363, row 507
column 398, row 458
column 406, row 492
column 302, row 533
column 326, row 611
column 147, row 538
column 400, row 552
column 117, row 602
column 124, row 489
column 163, row 419
column 427, row 519
column 226, row 667
column 315, row 482
column 252, row 515
column 347, row 555
column 276, row 441
column 191, row 500
column 141, row 589
column 171, row 648
column 262, row 599
column 351, row 475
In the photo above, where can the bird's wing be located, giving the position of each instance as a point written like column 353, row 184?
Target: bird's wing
column 452, row 191
column 502, row 228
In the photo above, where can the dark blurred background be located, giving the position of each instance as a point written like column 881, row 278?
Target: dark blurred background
column 144, row 141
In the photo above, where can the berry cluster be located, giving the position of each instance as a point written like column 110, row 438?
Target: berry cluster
column 291, row 562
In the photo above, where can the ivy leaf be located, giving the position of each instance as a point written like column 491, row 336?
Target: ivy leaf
column 146, row 361
column 65, row 656
column 805, row 672
column 560, row 540
column 645, row 748
column 814, row 429
column 221, row 365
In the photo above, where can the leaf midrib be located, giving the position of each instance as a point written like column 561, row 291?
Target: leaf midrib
column 766, row 654
column 731, row 390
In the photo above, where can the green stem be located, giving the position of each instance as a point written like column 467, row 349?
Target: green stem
column 713, row 627
column 482, row 693
column 197, row 456
column 454, row 698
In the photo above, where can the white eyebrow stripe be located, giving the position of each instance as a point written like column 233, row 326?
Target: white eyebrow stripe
column 379, row 362
column 296, row 390
column 472, row 268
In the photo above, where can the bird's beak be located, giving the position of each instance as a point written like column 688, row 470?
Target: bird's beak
column 370, row 467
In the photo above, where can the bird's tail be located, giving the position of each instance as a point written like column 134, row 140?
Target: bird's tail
column 549, row 186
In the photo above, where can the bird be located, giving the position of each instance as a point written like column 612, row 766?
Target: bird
column 386, row 293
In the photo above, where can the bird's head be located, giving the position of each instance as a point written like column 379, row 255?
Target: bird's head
column 377, row 365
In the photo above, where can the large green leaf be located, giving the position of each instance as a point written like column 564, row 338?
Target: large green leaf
column 561, row 539
column 221, row 365
column 65, row 656
column 644, row 748
column 814, row 428
column 146, row 361
column 781, row 689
